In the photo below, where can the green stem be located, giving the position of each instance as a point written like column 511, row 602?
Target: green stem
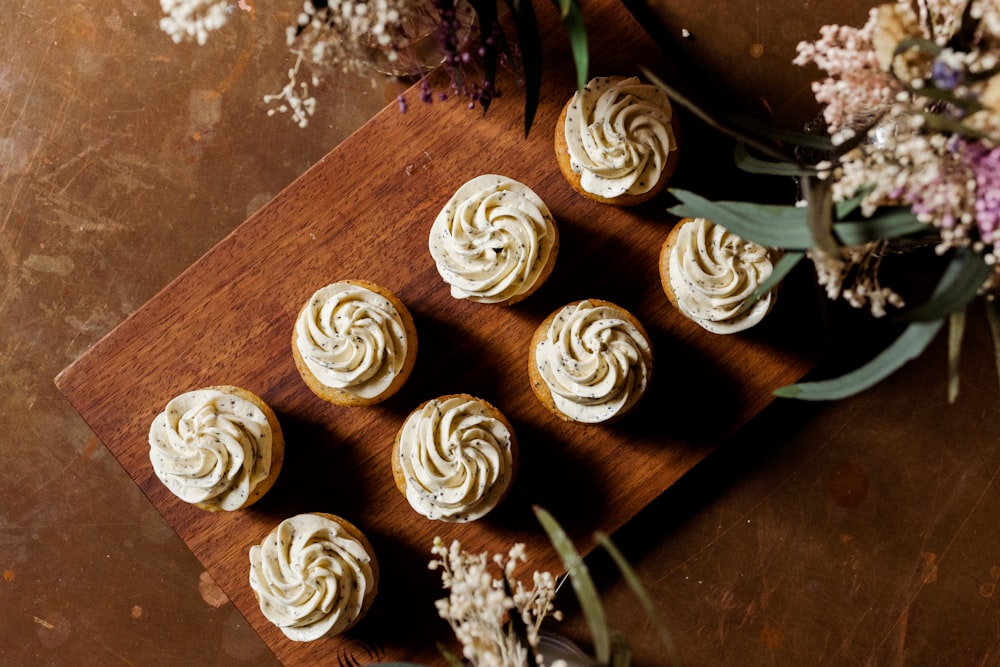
column 993, row 317
column 956, row 331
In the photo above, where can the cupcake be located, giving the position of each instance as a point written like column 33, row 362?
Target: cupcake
column 709, row 273
column 495, row 241
column 454, row 458
column 616, row 141
column 590, row 361
column 219, row 448
column 314, row 575
column 354, row 343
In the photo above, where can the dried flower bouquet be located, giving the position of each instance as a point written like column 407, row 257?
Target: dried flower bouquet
column 911, row 103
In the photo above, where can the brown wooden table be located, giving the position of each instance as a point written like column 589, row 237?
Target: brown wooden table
column 858, row 532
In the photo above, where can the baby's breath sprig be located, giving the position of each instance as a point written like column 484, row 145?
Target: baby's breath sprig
column 498, row 618
column 337, row 34
column 399, row 38
column 193, row 20
column 483, row 596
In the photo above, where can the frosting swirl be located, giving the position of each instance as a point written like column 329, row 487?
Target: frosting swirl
column 493, row 240
column 211, row 448
column 312, row 576
column 595, row 362
column 713, row 272
column 619, row 136
column 456, row 458
column 352, row 338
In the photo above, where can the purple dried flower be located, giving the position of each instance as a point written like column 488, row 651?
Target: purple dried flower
column 426, row 95
column 945, row 75
column 987, row 170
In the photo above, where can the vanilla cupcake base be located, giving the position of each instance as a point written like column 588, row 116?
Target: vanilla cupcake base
column 495, row 241
column 583, row 379
column 726, row 272
column 200, row 434
column 575, row 178
column 351, row 395
column 314, row 575
column 455, row 458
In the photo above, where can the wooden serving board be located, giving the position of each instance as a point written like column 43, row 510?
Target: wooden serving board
column 364, row 211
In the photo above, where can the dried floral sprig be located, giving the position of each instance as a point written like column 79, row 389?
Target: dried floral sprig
column 484, row 596
column 497, row 619
column 193, row 20
column 403, row 38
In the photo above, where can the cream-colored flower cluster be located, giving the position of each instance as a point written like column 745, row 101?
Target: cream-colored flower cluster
column 855, row 277
column 339, row 34
column 193, row 20
column 479, row 604
column 342, row 34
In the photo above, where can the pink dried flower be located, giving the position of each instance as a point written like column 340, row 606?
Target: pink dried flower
column 985, row 166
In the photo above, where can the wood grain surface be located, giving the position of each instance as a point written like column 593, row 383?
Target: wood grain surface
column 364, row 211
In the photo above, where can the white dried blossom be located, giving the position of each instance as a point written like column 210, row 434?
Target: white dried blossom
column 854, row 277
column 193, row 20
column 345, row 35
column 295, row 97
column 479, row 604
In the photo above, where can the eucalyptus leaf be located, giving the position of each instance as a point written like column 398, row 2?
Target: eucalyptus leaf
column 782, row 268
column 956, row 331
column 767, row 224
column 452, row 659
column 944, row 95
column 635, row 585
column 910, row 345
column 621, row 652
column 753, row 165
column 888, row 223
column 786, row 227
column 948, row 125
column 982, row 75
column 847, row 206
column 751, row 125
column 922, row 44
column 958, row 286
column 572, row 18
column 526, row 26
column 583, row 585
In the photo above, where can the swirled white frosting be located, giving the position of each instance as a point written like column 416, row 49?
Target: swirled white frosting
column 211, row 448
column 492, row 240
column 456, row 459
column 352, row 338
column 713, row 272
column 618, row 135
column 595, row 362
column 312, row 577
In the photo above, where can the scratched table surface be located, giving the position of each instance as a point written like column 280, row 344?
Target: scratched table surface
column 862, row 532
